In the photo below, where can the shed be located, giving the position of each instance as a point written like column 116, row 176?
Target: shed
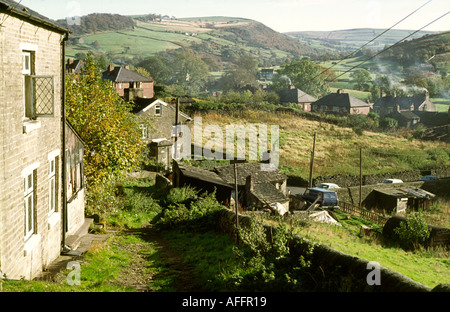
column 202, row 179
column 400, row 199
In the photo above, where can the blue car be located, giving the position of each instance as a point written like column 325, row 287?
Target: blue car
column 327, row 198
column 429, row 178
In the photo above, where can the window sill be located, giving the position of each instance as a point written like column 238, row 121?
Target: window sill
column 31, row 243
column 53, row 219
column 30, row 125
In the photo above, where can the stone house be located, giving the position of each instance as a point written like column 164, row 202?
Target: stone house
column 341, row 103
column 297, row 96
column 406, row 110
column 387, row 105
column 34, row 216
column 157, row 121
column 129, row 84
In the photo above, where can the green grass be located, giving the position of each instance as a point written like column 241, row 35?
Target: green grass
column 430, row 267
column 442, row 104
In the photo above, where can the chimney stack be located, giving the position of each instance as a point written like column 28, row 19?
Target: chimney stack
column 110, row 67
column 249, row 183
column 340, row 91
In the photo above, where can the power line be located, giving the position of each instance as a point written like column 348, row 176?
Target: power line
column 370, row 41
column 385, row 49
column 325, row 70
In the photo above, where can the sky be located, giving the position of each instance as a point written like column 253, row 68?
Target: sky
column 280, row 15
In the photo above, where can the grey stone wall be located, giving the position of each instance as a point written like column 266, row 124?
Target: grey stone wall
column 336, row 270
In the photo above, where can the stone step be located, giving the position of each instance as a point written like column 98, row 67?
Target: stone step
column 73, row 241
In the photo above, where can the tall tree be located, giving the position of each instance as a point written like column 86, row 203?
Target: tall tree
column 305, row 75
column 105, row 123
column 244, row 73
column 362, row 79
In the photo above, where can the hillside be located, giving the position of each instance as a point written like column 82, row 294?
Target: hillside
column 137, row 37
column 354, row 38
column 431, row 49
column 337, row 148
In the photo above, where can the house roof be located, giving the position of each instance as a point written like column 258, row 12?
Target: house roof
column 407, row 193
column 268, row 193
column 23, row 12
column 341, row 98
column 201, row 174
column 75, row 65
column 408, row 115
column 122, row 74
column 404, row 102
column 244, row 170
column 146, row 108
column 296, row 96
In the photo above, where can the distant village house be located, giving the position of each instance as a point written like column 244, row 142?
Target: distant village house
column 341, row 103
column 129, row 84
column 297, row 96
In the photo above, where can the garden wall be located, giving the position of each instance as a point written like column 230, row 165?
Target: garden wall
column 345, row 180
column 334, row 270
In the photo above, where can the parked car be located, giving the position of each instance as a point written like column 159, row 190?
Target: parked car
column 328, row 186
column 327, row 198
column 388, row 181
column 429, row 178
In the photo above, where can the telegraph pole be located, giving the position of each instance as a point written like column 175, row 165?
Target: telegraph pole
column 312, row 161
column 360, row 177
column 236, row 202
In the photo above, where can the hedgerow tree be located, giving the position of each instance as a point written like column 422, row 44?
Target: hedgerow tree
column 105, row 122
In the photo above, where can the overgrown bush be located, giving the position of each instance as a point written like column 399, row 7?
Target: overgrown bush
column 267, row 261
column 185, row 209
column 414, row 232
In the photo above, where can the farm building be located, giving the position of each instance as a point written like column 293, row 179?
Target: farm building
column 203, row 180
column 399, row 199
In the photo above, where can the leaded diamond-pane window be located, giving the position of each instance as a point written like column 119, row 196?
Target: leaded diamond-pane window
column 40, row 96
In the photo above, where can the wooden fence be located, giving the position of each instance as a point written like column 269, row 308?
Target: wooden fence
column 363, row 213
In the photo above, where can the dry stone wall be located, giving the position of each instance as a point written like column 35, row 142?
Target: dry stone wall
column 335, row 270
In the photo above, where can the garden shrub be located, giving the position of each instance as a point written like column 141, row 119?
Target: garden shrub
column 267, row 263
column 414, row 232
column 185, row 209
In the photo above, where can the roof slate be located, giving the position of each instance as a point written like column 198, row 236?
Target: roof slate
column 296, row 96
column 26, row 13
column 121, row 74
column 404, row 102
column 244, row 170
column 341, row 99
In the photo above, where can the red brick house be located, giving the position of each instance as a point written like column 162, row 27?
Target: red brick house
column 341, row 103
column 297, row 96
column 129, row 84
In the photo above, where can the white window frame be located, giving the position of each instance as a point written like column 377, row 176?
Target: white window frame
column 144, row 131
column 53, row 163
column 29, row 174
column 158, row 109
